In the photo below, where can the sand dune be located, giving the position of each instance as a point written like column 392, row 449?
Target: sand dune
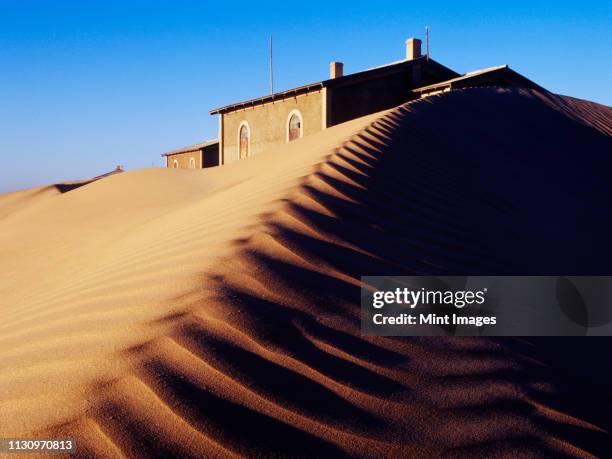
column 184, row 312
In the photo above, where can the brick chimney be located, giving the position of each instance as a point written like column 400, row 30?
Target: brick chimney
column 336, row 69
column 413, row 48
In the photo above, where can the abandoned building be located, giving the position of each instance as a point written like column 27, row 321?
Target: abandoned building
column 247, row 128
column 198, row 156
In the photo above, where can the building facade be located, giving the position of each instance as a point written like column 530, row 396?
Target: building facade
column 249, row 131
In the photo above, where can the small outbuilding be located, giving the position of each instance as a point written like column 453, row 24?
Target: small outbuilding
column 198, row 156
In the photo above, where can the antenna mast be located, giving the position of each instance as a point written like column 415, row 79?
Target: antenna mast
column 427, row 41
column 271, row 70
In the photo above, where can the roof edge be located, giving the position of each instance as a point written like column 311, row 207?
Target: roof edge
column 190, row 148
column 269, row 98
column 476, row 73
column 326, row 83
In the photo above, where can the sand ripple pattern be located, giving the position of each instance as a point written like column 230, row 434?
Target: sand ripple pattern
column 259, row 353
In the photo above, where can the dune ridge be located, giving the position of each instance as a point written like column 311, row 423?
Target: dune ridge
column 181, row 313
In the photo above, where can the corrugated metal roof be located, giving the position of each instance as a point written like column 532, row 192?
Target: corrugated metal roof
column 476, row 73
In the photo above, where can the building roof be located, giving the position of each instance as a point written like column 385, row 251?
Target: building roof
column 500, row 75
column 196, row 147
column 394, row 67
column 117, row 170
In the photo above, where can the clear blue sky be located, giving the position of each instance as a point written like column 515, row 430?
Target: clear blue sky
column 86, row 85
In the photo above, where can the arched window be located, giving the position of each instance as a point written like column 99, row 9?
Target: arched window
column 175, row 164
column 244, row 140
column 294, row 126
column 191, row 163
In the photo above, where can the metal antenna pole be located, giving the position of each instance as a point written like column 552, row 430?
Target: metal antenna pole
column 427, row 41
column 271, row 69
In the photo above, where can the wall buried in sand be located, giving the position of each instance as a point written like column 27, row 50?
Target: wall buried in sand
column 207, row 156
column 324, row 104
column 268, row 123
column 183, row 160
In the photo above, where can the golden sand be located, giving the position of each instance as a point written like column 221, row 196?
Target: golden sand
column 216, row 312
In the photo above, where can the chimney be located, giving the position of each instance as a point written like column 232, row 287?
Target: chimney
column 336, row 69
column 413, row 48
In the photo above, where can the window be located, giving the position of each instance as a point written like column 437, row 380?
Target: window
column 294, row 128
column 175, row 164
column 191, row 163
column 244, row 140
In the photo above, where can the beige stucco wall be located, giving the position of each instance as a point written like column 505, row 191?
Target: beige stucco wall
column 268, row 123
column 183, row 159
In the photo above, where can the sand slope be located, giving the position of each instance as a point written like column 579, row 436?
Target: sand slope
column 178, row 312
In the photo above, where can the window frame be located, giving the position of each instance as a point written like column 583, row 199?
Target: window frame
column 293, row 112
column 250, row 133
